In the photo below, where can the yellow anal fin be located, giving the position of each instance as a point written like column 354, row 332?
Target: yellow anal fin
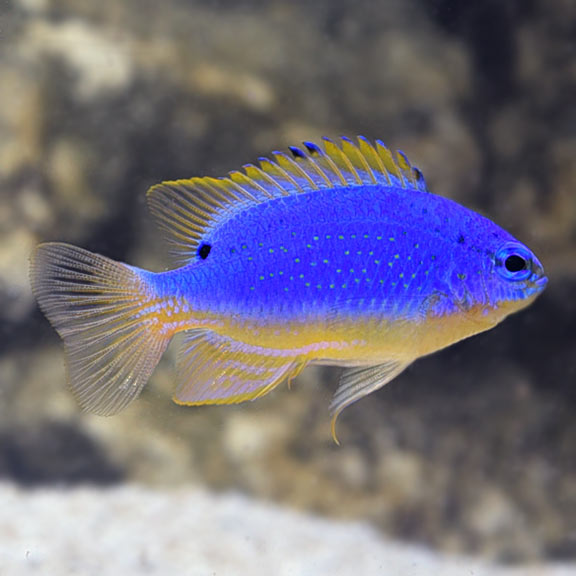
column 214, row 369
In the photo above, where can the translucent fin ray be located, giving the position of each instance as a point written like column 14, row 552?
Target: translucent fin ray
column 186, row 210
column 214, row 369
column 98, row 308
column 358, row 382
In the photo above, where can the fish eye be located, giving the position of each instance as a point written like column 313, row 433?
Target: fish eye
column 514, row 262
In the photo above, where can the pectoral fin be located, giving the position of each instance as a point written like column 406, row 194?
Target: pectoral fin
column 358, row 382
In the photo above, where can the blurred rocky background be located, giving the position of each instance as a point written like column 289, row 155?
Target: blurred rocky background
column 472, row 450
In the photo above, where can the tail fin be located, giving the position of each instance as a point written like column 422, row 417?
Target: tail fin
column 98, row 306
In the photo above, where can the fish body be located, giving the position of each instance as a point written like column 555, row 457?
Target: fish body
column 329, row 256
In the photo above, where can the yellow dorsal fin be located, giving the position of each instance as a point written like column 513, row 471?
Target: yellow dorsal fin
column 187, row 209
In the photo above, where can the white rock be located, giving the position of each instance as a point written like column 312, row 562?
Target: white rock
column 132, row 530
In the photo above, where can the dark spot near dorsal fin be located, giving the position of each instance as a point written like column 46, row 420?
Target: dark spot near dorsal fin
column 418, row 175
column 204, row 250
column 461, row 239
column 296, row 152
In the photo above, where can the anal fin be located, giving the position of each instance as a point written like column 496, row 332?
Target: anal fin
column 357, row 382
column 215, row 369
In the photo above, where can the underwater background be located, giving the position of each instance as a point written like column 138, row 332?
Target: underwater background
column 470, row 452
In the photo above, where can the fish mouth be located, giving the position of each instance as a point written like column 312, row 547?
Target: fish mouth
column 535, row 288
column 541, row 283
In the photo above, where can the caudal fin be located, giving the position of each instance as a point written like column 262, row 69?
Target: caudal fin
column 99, row 308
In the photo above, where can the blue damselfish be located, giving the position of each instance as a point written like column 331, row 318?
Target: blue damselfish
column 323, row 255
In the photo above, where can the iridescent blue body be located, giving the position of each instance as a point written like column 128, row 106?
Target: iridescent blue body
column 362, row 251
column 336, row 256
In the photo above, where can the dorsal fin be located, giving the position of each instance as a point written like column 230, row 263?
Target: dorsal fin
column 187, row 209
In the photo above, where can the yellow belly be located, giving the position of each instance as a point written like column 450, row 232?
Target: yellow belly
column 355, row 341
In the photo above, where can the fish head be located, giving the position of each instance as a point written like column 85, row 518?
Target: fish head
column 514, row 276
column 508, row 278
column 485, row 282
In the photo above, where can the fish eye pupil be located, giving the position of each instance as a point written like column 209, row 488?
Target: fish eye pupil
column 515, row 263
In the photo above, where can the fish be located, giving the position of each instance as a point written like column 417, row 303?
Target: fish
column 333, row 254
